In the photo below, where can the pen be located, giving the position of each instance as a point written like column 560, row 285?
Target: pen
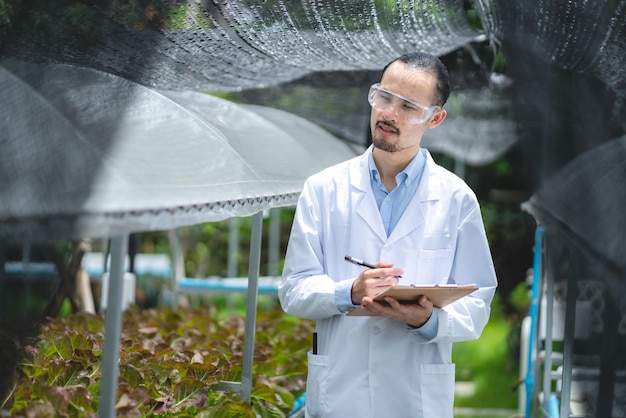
column 359, row 262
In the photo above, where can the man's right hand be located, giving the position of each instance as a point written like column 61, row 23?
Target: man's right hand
column 373, row 281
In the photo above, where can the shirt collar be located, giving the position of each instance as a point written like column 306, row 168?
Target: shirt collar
column 411, row 172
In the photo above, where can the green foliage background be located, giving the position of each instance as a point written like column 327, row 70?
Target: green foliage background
column 169, row 359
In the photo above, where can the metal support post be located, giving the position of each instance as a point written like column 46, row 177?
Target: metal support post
column 251, row 306
column 112, row 328
column 568, row 337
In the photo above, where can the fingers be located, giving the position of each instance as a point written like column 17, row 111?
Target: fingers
column 385, row 282
column 384, row 269
column 416, row 314
column 372, row 281
column 425, row 302
column 381, row 273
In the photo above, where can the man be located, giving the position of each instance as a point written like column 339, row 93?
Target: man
column 393, row 204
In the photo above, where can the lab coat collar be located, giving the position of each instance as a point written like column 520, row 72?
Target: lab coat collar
column 359, row 172
column 413, row 216
column 365, row 204
column 429, row 189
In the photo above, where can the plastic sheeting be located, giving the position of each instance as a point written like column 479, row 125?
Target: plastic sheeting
column 231, row 45
column 585, row 36
column 584, row 202
column 249, row 46
column 479, row 127
column 226, row 45
column 89, row 154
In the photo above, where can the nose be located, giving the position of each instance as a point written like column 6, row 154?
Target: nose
column 389, row 113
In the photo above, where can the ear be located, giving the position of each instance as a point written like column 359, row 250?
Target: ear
column 437, row 118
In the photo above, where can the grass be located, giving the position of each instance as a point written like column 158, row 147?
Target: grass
column 490, row 363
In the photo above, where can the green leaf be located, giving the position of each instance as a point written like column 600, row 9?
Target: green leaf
column 80, row 400
column 21, row 397
column 266, row 409
column 191, row 392
column 40, row 409
column 285, row 395
column 159, row 372
column 233, row 409
column 264, row 392
column 206, row 373
column 179, row 343
column 62, row 344
column 34, row 371
column 56, row 371
column 57, row 397
column 128, row 412
column 131, row 375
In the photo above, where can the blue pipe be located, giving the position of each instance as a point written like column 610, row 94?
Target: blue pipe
column 529, row 380
column 553, row 406
column 298, row 404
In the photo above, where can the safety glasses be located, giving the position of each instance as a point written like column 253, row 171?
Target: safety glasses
column 406, row 109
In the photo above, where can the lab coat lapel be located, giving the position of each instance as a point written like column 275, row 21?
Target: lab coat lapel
column 413, row 216
column 365, row 206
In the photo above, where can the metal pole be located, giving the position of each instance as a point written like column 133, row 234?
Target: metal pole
column 548, row 314
column 112, row 328
column 179, row 264
column 233, row 248
column 273, row 242
column 251, row 306
column 568, row 336
column 537, row 268
column 233, row 258
column 608, row 357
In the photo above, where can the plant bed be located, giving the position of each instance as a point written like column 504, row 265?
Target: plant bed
column 168, row 361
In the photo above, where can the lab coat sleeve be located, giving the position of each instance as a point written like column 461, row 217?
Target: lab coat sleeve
column 305, row 290
column 428, row 331
column 466, row 318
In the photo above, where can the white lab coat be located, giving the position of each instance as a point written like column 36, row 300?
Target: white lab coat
column 373, row 367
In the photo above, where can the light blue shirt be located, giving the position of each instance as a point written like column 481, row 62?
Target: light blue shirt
column 392, row 205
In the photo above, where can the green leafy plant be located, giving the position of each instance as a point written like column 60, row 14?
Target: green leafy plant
column 169, row 359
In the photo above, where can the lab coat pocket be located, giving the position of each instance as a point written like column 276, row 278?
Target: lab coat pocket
column 434, row 266
column 437, row 389
column 316, row 401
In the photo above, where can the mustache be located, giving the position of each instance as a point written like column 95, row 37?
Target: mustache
column 387, row 124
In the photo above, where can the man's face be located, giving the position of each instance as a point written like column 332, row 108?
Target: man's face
column 391, row 132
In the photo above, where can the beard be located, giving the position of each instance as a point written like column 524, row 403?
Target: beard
column 383, row 145
column 381, row 142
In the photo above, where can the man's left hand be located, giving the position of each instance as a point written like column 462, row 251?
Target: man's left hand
column 412, row 314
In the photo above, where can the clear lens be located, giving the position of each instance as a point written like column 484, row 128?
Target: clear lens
column 407, row 110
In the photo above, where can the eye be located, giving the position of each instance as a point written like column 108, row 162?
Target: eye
column 385, row 97
column 408, row 107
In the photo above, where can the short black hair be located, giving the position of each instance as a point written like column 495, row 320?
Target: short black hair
column 433, row 64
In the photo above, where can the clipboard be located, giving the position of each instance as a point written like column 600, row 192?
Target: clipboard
column 439, row 295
